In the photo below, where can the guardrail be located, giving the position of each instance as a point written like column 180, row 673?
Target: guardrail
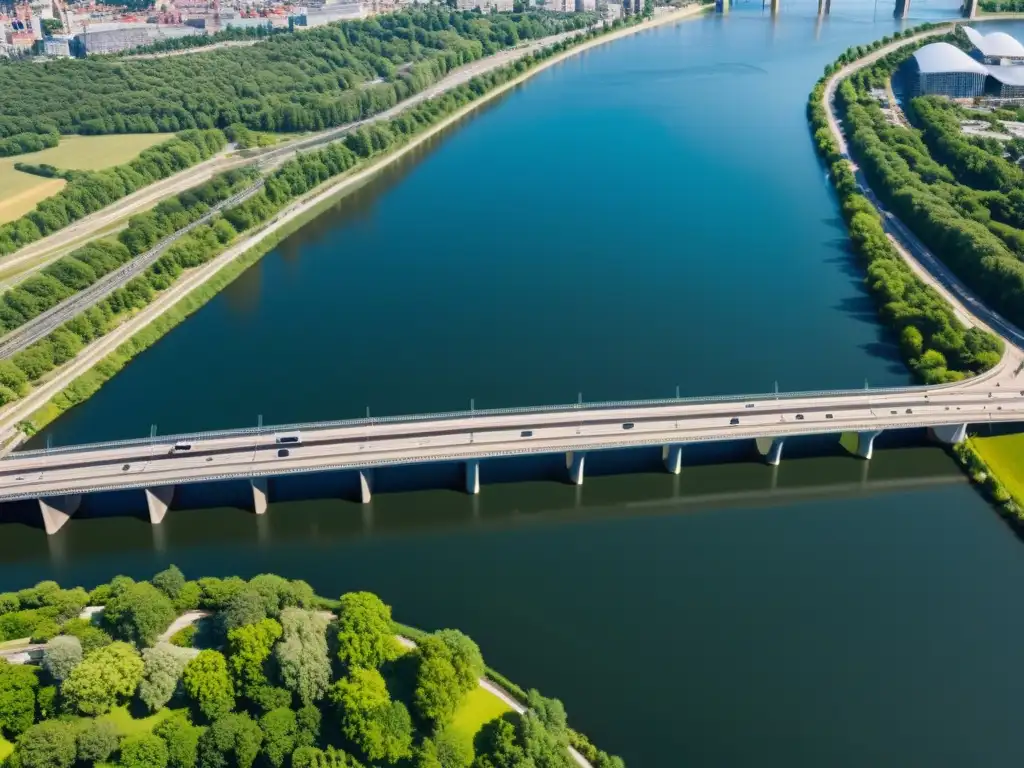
column 474, row 413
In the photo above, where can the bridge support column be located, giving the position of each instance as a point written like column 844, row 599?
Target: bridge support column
column 771, row 449
column 860, row 443
column 774, row 7
column 902, row 9
column 259, row 494
column 57, row 511
column 159, row 501
column 365, row 485
column 672, row 455
column 721, row 6
column 824, row 7
column 574, row 463
column 473, row 477
column 949, row 434
column 969, row 9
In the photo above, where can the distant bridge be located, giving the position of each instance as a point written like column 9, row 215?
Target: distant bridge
column 57, row 479
column 901, row 8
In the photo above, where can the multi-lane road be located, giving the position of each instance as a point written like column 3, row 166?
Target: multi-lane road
column 43, row 325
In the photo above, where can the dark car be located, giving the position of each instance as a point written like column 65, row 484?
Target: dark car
column 734, row 421
column 283, row 453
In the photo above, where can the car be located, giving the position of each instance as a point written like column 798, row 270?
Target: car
column 734, row 421
column 828, row 415
column 910, row 410
column 749, row 405
column 893, row 413
column 295, row 437
column 526, row 433
column 628, row 425
column 181, row 447
column 283, row 453
column 799, row 417
column 126, row 467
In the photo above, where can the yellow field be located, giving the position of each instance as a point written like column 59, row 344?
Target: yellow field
column 19, row 192
column 480, row 706
column 1005, row 456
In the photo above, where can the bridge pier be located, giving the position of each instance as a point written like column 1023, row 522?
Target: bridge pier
column 672, row 455
column 574, row 463
column 860, row 444
column 824, row 7
column 902, row 9
column 57, row 511
column 365, row 485
column 771, row 449
column 473, row 477
column 774, row 7
column 969, row 9
column 159, row 501
column 259, row 494
column 949, row 434
column 721, row 6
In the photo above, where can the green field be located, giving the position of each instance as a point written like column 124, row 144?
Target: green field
column 1004, row 454
column 6, row 748
column 19, row 192
column 129, row 726
column 480, row 706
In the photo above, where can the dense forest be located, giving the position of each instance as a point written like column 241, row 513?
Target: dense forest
column 292, row 82
column 932, row 340
column 262, row 673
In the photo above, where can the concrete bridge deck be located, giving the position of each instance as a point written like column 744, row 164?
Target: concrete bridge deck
column 59, row 477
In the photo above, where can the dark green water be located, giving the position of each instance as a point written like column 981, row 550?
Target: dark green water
column 647, row 215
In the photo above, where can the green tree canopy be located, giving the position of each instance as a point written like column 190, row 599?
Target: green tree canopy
column 249, row 648
column 50, row 744
column 279, row 727
column 144, row 751
column 365, row 635
column 139, row 614
column 97, row 741
column 18, row 686
column 302, row 655
column 164, row 665
column 61, row 655
column 232, row 740
column 95, row 685
column 208, row 684
column 380, row 727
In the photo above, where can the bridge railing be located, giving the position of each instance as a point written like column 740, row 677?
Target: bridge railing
column 474, row 413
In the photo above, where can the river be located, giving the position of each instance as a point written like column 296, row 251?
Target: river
column 646, row 216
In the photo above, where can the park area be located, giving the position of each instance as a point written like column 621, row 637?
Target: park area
column 19, row 192
column 1004, row 455
column 228, row 673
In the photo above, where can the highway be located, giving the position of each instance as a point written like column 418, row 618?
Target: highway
column 250, row 453
column 43, row 325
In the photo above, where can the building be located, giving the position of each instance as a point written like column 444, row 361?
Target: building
column 502, row 6
column 112, row 38
column 944, row 70
column 996, row 48
column 1005, row 82
column 58, row 46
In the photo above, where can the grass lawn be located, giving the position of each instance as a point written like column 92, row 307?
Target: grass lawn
column 128, row 725
column 6, row 748
column 481, row 706
column 1005, row 455
column 19, row 192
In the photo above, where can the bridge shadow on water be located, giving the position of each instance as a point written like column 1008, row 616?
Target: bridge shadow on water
column 323, row 508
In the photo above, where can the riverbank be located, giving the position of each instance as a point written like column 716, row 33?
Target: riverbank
column 99, row 361
column 848, row 180
column 265, row 667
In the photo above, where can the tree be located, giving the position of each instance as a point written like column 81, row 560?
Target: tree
column 311, row 757
column 249, row 648
column 164, row 665
column 307, row 726
column 268, row 697
column 18, row 686
column 182, row 739
column 208, row 684
column 364, row 632
column 437, row 694
column 139, row 614
column 454, row 748
column 550, row 712
column 97, row 741
column 381, row 728
column 279, row 727
column 62, row 654
column 50, row 744
column 144, row 751
column 232, row 740
column 302, row 655
column 94, row 686
column 465, row 658
column 245, row 607
column 170, row 581
column 90, row 636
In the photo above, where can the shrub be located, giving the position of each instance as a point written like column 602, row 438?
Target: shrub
column 97, row 741
column 144, row 751
column 184, row 637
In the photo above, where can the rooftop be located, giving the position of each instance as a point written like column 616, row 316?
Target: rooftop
column 1011, row 75
column 943, row 57
column 996, row 44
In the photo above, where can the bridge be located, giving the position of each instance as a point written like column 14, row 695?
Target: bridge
column 901, row 8
column 57, row 479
